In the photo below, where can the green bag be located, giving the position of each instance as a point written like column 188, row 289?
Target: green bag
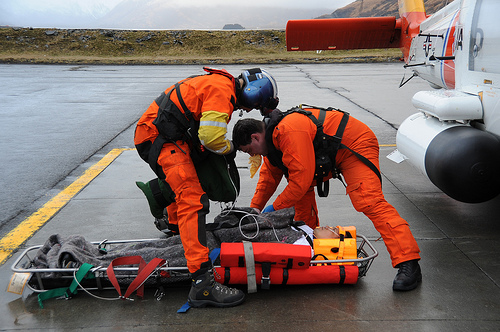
column 218, row 176
column 159, row 195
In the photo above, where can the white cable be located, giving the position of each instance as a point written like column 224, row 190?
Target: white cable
column 274, row 229
column 227, row 209
column 97, row 297
column 254, row 216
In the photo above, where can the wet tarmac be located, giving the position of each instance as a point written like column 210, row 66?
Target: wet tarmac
column 460, row 290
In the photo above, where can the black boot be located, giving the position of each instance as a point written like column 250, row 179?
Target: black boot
column 408, row 276
column 206, row 291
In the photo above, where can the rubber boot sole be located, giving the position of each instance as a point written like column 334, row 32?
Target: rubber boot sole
column 402, row 288
column 204, row 303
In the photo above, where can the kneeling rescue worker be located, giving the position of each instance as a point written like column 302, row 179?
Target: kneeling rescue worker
column 189, row 117
column 311, row 145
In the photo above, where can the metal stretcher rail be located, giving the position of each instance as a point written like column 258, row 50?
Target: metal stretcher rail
column 363, row 263
column 24, row 264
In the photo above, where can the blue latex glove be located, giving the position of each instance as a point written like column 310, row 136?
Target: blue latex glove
column 269, row 208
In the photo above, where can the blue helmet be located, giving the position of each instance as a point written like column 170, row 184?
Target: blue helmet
column 259, row 91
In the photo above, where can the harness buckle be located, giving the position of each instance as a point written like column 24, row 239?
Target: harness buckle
column 265, row 282
column 159, row 293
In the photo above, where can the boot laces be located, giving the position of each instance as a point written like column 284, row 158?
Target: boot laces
column 405, row 268
column 218, row 286
column 224, row 289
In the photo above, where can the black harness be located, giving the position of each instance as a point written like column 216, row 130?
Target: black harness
column 175, row 125
column 325, row 146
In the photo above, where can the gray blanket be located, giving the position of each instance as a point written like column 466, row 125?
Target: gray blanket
column 239, row 224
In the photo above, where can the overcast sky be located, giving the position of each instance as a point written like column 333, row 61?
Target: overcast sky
column 85, row 4
column 47, row 13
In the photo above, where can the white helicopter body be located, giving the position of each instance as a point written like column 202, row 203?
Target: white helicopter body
column 454, row 137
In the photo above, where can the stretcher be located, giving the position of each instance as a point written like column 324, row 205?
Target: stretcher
column 130, row 272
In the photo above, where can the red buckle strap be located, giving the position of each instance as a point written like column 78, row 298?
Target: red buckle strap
column 143, row 273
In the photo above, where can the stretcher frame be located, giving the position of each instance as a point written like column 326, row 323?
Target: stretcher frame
column 37, row 283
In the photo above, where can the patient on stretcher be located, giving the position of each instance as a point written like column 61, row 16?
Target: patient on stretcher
column 239, row 224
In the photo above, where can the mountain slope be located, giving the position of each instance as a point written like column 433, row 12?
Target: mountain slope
column 157, row 15
column 373, row 8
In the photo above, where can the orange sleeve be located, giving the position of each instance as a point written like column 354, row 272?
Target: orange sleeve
column 207, row 93
column 215, row 98
column 294, row 137
column 145, row 129
column 269, row 179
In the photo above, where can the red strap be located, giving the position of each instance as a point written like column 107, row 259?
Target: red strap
column 128, row 260
column 142, row 275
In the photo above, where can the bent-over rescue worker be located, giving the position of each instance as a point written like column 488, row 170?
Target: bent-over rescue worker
column 189, row 116
column 287, row 140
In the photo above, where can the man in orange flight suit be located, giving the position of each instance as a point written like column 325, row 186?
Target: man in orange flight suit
column 287, row 144
column 192, row 112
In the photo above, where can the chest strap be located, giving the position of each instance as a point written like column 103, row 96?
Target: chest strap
column 173, row 125
column 326, row 148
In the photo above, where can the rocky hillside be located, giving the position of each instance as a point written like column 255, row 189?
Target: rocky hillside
column 21, row 45
column 18, row 45
column 373, row 8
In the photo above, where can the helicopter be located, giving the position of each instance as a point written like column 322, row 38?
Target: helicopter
column 454, row 135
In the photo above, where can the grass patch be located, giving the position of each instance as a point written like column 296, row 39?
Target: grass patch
column 80, row 46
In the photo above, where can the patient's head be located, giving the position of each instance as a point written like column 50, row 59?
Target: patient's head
column 326, row 232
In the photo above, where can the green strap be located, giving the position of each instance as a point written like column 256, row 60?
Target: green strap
column 66, row 291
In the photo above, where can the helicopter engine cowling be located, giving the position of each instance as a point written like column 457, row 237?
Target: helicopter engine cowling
column 462, row 161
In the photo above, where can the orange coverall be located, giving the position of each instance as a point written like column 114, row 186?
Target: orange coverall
column 211, row 99
column 294, row 136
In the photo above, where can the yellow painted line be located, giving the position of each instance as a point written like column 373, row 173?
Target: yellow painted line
column 30, row 225
column 387, row 145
